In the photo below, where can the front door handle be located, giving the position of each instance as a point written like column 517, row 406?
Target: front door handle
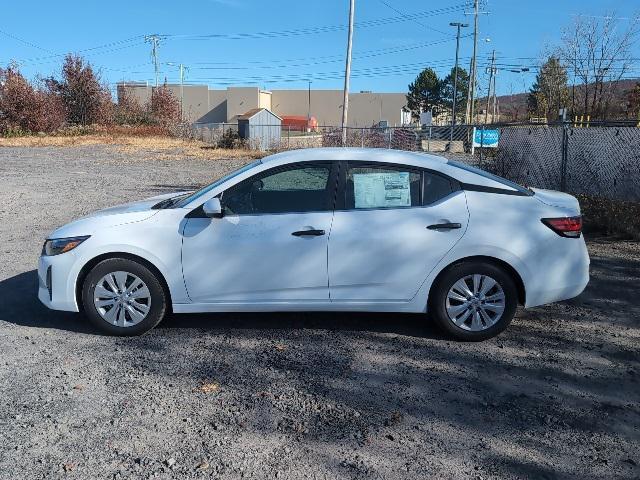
column 444, row 226
column 308, row 233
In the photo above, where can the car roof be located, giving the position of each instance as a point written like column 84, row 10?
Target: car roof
column 382, row 155
column 385, row 155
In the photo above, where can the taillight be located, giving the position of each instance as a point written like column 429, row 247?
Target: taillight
column 565, row 226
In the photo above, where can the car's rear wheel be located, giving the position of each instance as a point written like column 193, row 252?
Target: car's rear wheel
column 473, row 300
column 123, row 297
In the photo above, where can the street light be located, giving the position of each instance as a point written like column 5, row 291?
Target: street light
column 182, row 68
column 458, row 25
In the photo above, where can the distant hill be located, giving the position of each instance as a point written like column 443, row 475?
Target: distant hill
column 514, row 107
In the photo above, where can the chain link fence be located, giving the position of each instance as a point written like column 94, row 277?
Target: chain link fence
column 602, row 161
column 596, row 160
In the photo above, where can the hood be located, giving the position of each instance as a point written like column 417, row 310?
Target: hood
column 557, row 199
column 134, row 207
column 112, row 216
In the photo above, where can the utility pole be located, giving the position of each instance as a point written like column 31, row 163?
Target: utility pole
column 458, row 25
column 181, row 92
column 347, row 74
column 491, row 73
column 573, row 86
column 182, row 68
column 472, row 77
column 154, row 40
column 309, row 109
column 495, row 96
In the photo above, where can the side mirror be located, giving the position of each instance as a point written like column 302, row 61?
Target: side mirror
column 212, row 208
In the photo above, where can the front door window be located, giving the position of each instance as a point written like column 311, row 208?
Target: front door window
column 298, row 189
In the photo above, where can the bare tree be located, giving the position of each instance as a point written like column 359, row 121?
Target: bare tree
column 597, row 52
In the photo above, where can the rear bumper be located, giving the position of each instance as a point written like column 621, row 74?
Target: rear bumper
column 563, row 272
column 56, row 289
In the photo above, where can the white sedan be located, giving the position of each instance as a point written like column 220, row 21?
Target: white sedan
column 329, row 229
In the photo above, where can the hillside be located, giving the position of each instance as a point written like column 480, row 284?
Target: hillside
column 514, row 107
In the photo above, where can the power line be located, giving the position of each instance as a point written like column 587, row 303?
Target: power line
column 334, row 75
column 402, row 69
column 126, row 43
column 319, row 29
column 412, row 19
column 269, row 64
column 30, row 44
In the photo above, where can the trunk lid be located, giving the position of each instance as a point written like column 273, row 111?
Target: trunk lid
column 557, row 199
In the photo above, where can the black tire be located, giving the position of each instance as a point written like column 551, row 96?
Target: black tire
column 158, row 307
column 438, row 298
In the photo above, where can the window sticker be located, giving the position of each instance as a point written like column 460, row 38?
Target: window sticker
column 376, row 190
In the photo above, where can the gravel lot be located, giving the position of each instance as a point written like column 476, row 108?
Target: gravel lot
column 298, row 395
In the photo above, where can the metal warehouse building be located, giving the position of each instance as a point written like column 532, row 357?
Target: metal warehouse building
column 203, row 105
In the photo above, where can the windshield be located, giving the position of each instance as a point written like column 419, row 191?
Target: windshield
column 491, row 176
column 204, row 190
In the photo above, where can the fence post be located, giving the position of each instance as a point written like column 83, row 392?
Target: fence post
column 362, row 138
column 389, row 138
column 481, row 145
column 565, row 154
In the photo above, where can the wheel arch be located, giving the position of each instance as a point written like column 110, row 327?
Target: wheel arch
column 512, row 272
column 87, row 267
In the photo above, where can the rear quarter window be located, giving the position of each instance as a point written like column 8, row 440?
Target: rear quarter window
column 435, row 187
column 490, row 176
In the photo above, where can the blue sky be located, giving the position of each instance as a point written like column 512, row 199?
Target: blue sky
column 284, row 43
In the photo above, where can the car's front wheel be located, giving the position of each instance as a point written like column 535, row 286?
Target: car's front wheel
column 473, row 300
column 123, row 297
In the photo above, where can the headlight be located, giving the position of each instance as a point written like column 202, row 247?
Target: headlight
column 56, row 246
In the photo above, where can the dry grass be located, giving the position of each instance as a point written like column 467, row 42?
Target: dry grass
column 161, row 147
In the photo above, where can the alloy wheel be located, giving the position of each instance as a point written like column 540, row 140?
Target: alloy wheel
column 122, row 299
column 475, row 302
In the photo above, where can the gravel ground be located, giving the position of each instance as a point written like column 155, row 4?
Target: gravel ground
column 298, row 395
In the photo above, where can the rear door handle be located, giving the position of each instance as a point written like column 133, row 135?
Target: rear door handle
column 444, row 226
column 308, row 233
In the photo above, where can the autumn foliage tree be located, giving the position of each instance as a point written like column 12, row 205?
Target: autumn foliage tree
column 27, row 108
column 86, row 100
column 77, row 97
column 165, row 107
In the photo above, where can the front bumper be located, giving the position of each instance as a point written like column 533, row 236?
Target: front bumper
column 56, row 282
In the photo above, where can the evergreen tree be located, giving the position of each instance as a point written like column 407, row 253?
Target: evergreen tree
column 425, row 93
column 549, row 92
column 462, row 91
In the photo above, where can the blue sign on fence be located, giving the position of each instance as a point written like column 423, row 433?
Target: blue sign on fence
column 485, row 138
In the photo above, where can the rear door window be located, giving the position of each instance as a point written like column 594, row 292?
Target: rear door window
column 371, row 186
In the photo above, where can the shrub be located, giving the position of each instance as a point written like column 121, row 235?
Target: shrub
column 230, row 139
column 25, row 108
column 129, row 111
column 165, row 108
column 610, row 217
